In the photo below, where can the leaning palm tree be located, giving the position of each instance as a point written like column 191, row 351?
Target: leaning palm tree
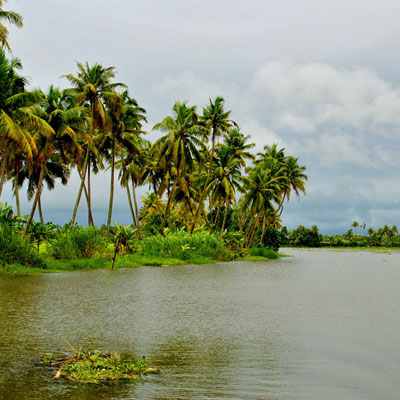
column 11, row 17
column 54, row 168
column 92, row 86
column 45, row 145
column 216, row 120
column 262, row 191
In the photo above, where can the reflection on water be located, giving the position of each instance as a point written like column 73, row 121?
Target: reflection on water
column 320, row 325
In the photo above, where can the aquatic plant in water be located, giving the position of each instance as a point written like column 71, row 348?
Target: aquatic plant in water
column 96, row 367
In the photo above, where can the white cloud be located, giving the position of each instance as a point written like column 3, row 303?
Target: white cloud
column 319, row 94
column 261, row 135
column 296, row 123
column 187, row 87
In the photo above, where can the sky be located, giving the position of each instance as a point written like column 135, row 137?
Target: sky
column 319, row 78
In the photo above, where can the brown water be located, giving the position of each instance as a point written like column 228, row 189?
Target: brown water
column 321, row 325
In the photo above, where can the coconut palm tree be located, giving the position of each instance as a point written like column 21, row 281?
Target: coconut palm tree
column 262, row 191
column 181, row 145
column 238, row 144
column 92, row 87
column 226, row 179
column 11, row 17
column 125, row 126
column 54, row 168
column 216, row 120
column 355, row 225
column 17, row 114
column 45, row 149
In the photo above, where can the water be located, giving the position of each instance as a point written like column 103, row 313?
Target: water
column 321, row 325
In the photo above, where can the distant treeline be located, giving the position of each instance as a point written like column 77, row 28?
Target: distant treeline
column 310, row 237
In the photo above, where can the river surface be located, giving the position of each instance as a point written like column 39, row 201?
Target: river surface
column 320, row 325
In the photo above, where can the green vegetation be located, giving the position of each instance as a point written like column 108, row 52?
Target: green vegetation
column 96, row 367
column 383, row 237
column 78, row 243
column 205, row 202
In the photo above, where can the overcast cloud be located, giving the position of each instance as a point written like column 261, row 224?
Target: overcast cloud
column 320, row 78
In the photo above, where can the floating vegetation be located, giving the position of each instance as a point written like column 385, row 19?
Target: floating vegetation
column 96, row 366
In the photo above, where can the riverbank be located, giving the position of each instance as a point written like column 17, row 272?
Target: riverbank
column 127, row 261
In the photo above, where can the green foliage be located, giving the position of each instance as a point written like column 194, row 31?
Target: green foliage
column 7, row 217
column 79, row 243
column 273, row 238
column 184, row 246
column 263, row 252
column 97, row 367
column 305, row 237
column 40, row 232
column 16, row 248
column 123, row 237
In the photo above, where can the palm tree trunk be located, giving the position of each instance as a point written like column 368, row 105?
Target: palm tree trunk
column 40, row 209
column 216, row 218
column 128, row 193
column 89, row 199
column 3, row 167
column 83, row 177
column 224, row 221
column 84, row 186
column 168, row 205
column 136, row 210
column 16, row 194
column 35, row 201
column 203, row 194
column 263, row 227
column 253, row 232
column 110, row 205
column 280, row 208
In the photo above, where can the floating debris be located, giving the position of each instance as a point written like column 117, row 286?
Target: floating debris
column 96, row 366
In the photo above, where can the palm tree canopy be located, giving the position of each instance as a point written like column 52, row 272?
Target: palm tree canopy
column 182, row 144
column 12, row 18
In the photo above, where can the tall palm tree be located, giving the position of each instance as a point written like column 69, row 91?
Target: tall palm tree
column 92, row 87
column 125, row 126
column 216, row 120
column 46, row 147
column 291, row 177
column 17, row 114
column 355, row 225
column 133, row 170
column 181, row 145
column 226, row 179
column 262, row 191
column 11, row 17
column 55, row 152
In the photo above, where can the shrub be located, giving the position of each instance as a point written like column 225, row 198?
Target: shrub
column 78, row 243
column 273, row 238
column 184, row 246
column 16, row 248
column 263, row 252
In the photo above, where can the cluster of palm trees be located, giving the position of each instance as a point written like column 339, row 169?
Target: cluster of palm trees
column 199, row 163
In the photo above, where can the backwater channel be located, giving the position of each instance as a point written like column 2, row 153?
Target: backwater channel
column 322, row 324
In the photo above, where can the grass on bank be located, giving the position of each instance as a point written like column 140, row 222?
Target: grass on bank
column 91, row 249
column 126, row 261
